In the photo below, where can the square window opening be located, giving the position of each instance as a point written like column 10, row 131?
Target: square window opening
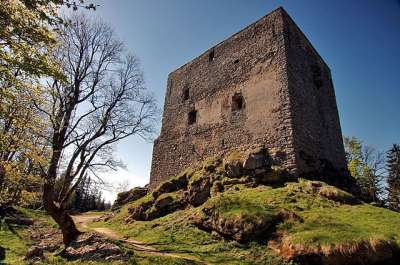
column 192, row 117
column 237, row 102
column 185, row 94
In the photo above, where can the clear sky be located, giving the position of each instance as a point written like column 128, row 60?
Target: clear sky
column 359, row 40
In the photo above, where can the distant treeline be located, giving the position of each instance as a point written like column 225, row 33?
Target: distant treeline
column 86, row 197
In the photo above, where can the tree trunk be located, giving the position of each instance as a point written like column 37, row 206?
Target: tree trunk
column 61, row 216
column 68, row 228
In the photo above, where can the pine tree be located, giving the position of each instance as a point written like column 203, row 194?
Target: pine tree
column 393, row 165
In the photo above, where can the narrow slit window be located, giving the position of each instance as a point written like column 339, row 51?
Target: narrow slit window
column 211, row 56
column 317, row 76
column 237, row 102
column 185, row 94
column 192, row 117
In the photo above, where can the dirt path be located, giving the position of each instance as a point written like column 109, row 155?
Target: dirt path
column 83, row 220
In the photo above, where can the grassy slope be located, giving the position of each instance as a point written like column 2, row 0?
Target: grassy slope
column 173, row 233
column 15, row 240
column 326, row 223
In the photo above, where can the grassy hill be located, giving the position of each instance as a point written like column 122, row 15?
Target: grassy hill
column 250, row 222
column 229, row 211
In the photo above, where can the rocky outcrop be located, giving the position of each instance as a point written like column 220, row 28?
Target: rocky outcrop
column 198, row 191
column 233, row 168
column 258, row 159
column 90, row 246
column 360, row 253
column 139, row 212
column 46, row 238
column 213, row 176
column 240, row 226
column 330, row 192
column 155, row 208
column 174, row 184
column 237, row 227
column 130, row 196
column 34, row 254
column 105, row 217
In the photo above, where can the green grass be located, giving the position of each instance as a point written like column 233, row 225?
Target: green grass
column 232, row 204
column 346, row 224
column 326, row 222
column 173, row 233
column 37, row 215
column 15, row 241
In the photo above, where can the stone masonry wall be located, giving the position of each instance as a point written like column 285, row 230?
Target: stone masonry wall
column 252, row 63
column 270, row 66
column 317, row 133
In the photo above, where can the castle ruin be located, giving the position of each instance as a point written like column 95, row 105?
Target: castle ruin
column 264, row 85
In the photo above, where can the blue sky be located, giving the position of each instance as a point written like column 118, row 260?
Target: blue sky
column 359, row 40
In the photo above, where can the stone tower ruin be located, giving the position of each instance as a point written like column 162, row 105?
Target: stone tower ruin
column 264, row 85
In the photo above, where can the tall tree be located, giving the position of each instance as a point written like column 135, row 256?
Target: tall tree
column 27, row 38
column 367, row 166
column 102, row 101
column 22, row 148
column 393, row 180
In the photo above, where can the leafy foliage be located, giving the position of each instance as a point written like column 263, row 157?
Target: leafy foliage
column 27, row 37
column 366, row 165
column 22, row 149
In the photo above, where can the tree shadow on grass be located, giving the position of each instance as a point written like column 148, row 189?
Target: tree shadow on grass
column 2, row 255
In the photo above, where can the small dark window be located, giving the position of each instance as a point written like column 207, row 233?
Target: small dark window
column 211, row 56
column 236, row 61
column 192, row 117
column 185, row 94
column 237, row 102
column 317, row 73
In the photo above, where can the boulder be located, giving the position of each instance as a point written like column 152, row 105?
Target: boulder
column 257, row 160
column 211, row 164
column 216, row 188
column 49, row 239
column 163, row 206
column 174, row 184
column 270, row 177
column 236, row 227
column 198, row 191
column 90, row 246
column 287, row 215
column 233, row 168
column 153, row 209
column 34, row 252
column 139, row 212
column 105, row 217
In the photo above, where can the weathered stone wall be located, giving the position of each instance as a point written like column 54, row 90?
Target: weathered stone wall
column 317, row 134
column 252, row 65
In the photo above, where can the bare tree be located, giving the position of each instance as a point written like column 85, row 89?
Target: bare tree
column 367, row 166
column 101, row 101
column 374, row 172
